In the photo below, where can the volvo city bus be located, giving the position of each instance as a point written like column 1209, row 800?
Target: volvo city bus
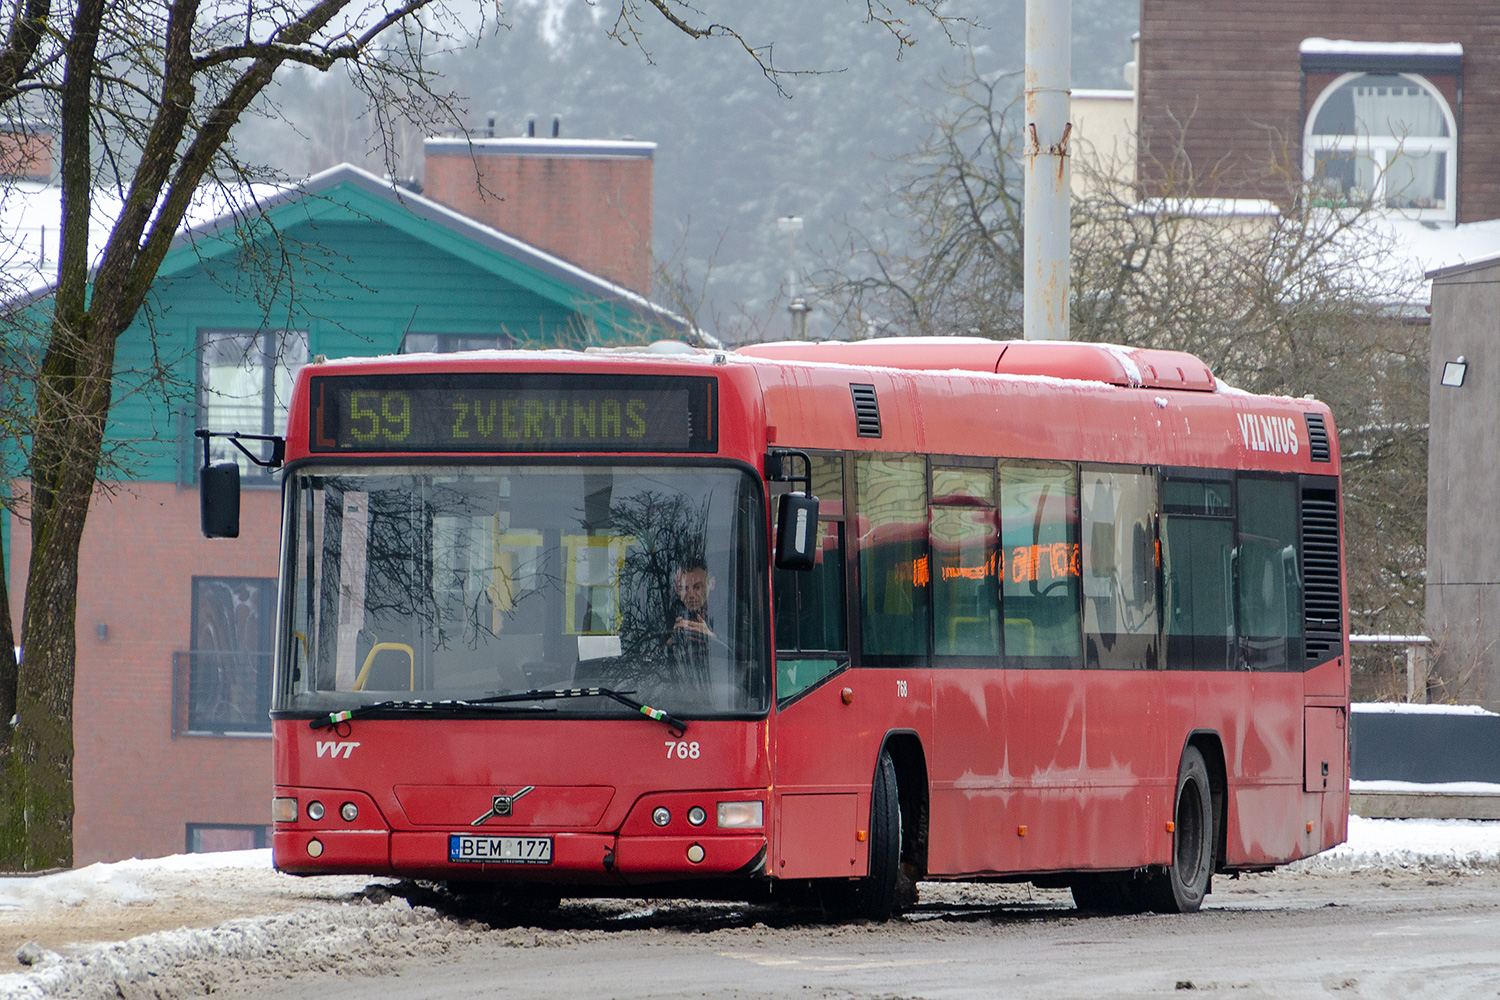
column 831, row 617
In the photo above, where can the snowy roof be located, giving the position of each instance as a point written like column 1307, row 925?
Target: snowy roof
column 30, row 219
column 1087, row 94
column 1345, row 46
column 1423, row 250
column 1337, row 55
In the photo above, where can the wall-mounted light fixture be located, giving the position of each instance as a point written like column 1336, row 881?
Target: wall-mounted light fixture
column 103, row 631
column 1454, row 372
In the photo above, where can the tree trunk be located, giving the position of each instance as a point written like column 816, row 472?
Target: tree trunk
column 12, row 829
column 73, row 397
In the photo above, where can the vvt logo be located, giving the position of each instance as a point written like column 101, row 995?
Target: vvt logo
column 329, row 748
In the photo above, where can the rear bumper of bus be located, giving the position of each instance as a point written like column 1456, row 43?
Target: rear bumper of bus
column 577, row 858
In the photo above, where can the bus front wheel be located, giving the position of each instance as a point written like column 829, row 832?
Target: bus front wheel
column 881, row 893
column 1182, row 886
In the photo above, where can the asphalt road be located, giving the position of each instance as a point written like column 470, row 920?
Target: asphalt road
column 1391, row 933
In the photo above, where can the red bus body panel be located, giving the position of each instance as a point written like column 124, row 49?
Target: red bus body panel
column 1028, row 771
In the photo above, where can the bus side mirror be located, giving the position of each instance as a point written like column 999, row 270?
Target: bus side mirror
column 796, row 531
column 219, row 499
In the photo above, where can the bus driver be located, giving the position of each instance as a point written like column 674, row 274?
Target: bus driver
column 692, row 583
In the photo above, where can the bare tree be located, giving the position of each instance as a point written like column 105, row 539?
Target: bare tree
column 1290, row 297
column 952, row 264
column 145, row 98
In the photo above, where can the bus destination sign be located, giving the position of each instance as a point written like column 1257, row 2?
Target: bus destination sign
column 475, row 411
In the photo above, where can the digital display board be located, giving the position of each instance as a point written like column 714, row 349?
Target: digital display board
column 475, row 411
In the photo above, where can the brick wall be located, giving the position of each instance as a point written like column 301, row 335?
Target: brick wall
column 586, row 201
column 135, row 787
column 25, row 154
column 1228, row 78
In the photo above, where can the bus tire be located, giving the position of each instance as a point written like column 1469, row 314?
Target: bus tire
column 879, row 894
column 1182, row 886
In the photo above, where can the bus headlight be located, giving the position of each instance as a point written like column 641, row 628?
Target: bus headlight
column 283, row 809
column 315, row 811
column 741, row 815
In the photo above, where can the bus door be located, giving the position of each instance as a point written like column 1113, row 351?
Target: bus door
column 973, row 698
column 821, row 779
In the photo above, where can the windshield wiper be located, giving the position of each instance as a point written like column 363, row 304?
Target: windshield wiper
column 539, row 694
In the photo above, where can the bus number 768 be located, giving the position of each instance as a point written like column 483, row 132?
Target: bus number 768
column 682, row 750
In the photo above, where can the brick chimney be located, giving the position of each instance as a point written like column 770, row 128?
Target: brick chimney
column 587, row 201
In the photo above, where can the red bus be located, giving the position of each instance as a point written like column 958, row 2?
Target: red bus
column 572, row 622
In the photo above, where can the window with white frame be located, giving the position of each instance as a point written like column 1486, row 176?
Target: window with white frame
column 245, row 384
column 1383, row 139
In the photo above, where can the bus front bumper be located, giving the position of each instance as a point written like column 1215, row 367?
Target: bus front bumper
column 576, row 858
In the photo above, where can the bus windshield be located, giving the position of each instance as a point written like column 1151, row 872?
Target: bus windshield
column 464, row 582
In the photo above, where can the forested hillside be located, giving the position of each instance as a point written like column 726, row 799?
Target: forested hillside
column 733, row 154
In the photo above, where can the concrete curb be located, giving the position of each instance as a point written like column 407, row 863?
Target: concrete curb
column 1424, row 805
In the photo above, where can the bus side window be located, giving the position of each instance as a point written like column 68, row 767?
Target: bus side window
column 1119, row 568
column 963, row 537
column 894, row 573
column 809, row 607
column 1197, row 540
column 1040, row 549
column 1270, row 577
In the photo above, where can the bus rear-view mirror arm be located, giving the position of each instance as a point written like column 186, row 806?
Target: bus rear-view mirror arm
column 796, row 513
column 219, row 482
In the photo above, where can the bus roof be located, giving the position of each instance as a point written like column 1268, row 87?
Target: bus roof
column 1135, row 367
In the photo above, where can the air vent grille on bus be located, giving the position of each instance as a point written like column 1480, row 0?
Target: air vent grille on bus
column 1317, row 436
column 1321, row 581
column 866, row 410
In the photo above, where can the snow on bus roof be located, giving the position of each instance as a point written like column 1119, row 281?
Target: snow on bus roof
column 683, row 353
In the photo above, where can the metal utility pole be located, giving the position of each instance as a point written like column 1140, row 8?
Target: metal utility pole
column 797, row 306
column 1048, row 273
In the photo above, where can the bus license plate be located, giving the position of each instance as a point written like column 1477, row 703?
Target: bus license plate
column 468, row 847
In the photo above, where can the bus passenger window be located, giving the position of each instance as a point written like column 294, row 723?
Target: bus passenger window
column 963, row 538
column 1040, row 551
column 1197, row 540
column 1119, row 569
column 809, row 606
column 1270, row 577
column 893, row 569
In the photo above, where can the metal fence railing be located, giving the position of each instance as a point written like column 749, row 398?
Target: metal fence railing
column 1416, row 660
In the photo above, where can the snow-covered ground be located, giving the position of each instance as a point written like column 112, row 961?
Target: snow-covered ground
column 232, row 914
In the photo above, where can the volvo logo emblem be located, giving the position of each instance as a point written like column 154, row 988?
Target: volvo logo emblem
column 502, row 805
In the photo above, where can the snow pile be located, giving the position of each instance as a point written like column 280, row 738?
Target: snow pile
column 1406, row 708
column 1412, row 843
column 200, row 962
column 117, row 882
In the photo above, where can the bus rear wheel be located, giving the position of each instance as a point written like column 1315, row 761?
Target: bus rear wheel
column 1182, row 886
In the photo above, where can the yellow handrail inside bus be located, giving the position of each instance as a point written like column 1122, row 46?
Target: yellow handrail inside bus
column 379, row 647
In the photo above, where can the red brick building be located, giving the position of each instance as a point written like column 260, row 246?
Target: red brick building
column 1395, row 102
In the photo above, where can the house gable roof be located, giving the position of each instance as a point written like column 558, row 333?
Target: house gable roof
column 347, row 193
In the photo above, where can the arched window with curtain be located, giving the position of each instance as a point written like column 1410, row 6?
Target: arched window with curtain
column 1383, row 139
